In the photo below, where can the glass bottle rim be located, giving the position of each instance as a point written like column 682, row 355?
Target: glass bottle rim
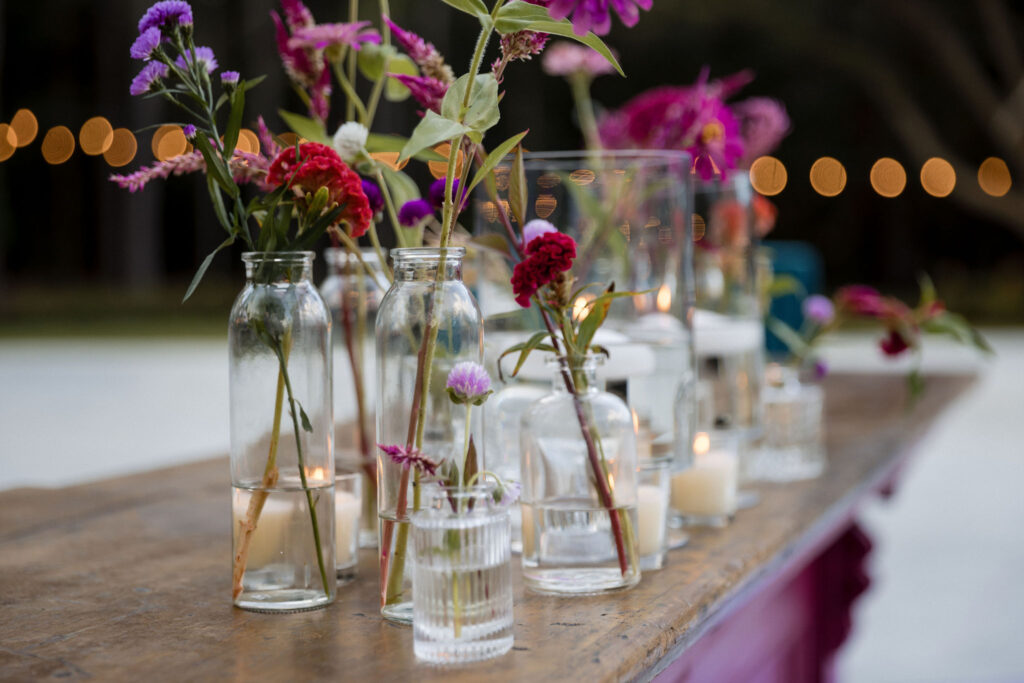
column 368, row 254
column 426, row 253
column 278, row 256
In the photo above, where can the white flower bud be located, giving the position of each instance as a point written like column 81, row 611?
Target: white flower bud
column 349, row 140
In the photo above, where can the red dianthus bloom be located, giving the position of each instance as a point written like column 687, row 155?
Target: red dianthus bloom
column 547, row 256
column 320, row 166
column 894, row 344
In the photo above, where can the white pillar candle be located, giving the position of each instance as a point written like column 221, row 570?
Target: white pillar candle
column 708, row 489
column 268, row 542
column 652, row 513
column 346, row 528
column 715, row 334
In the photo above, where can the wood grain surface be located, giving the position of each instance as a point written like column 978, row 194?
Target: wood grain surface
column 129, row 578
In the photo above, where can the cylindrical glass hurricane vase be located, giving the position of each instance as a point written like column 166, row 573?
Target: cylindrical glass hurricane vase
column 706, row 493
column 282, row 466
column 353, row 289
column 728, row 321
column 579, row 487
column 428, row 322
column 462, row 581
column 792, row 447
column 629, row 212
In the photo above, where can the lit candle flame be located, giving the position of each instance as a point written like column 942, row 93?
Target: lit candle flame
column 579, row 307
column 701, row 443
column 636, row 421
column 318, row 474
column 664, row 301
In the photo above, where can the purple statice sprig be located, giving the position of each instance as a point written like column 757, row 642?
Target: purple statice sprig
column 146, row 44
column 411, row 458
column 468, row 384
column 151, row 75
column 166, row 15
column 204, row 57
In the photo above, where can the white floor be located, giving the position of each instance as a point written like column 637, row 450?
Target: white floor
column 947, row 602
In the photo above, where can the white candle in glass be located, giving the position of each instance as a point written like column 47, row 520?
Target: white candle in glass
column 652, row 514
column 268, row 542
column 346, row 528
column 708, row 489
column 527, row 513
column 715, row 334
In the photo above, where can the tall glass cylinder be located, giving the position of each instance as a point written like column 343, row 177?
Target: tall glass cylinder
column 353, row 289
column 728, row 322
column 579, row 488
column 282, row 465
column 629, row 212
column 428, row 322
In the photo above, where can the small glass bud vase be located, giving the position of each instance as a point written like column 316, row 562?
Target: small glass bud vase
column 579, row 530
column 462, row 581
column 353, row 289
column 427, row 323
column 282, row 465
column 705, row 494
column 792, row 447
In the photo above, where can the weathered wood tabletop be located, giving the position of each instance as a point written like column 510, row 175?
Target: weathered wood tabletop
column 129, row 578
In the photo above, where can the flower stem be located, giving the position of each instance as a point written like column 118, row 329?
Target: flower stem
column 580, row 85
column 350, row 59
column 352, row 344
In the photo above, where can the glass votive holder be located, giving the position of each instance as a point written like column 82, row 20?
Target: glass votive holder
column 705, row 494
column 652, row 504
column 348, row 489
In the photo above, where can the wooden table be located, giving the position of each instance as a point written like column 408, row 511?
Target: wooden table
column 129, row 579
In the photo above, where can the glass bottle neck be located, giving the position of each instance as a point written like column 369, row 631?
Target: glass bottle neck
column 343, row 262
column 273, row 267
column 583, row 374
column 428, row 263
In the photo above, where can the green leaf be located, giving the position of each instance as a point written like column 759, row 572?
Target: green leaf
column 306, row 424
column 522, row 16
column 928, row 293
column 432, row 130
column 517, row 196
column 234, row 121
column 379, row 142
column 474, row 8
column 215, row 165
column 304, row 126
column 205, row 265
column 782, row 285
column 394, row 89
column 371, row 60
column 402, row 187
column 790, row 337
column 314, row 232
column 482, row 109
column 218, row 204
column 251, row 83
column 595, row 318
column 524, row 349
column 494, row 158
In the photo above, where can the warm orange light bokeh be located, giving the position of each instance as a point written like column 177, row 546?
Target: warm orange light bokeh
column 95, row 136
column 439, row 168
column 25, row 126
column 545, row 205
column 768, row 176
column 828, row 177
column 888, row 177
column 994, row 177
column 938, row 177
column 8, row 141
column 122, row 148
column 58, row 145
column 169, row 142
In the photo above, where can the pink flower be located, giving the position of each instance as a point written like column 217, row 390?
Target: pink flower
column 429, row 92
column 763, row 123
column 595, row 15
column 410, row 457
column 894, row 344
column 468, row 382
column 245, row 167
column 717, row 146
column 325, row 36
column 426, row 56
column 818, row 309
column 566, row 59
column 306, row 67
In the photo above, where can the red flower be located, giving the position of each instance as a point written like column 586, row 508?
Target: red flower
column 765, row 215
column 320, row 166
column 547, row 256
column 861, row 300
column 894, row 344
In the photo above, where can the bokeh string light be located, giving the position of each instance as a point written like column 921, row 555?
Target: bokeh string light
column 938, row 177
column 828, row 177
column 25, row 126
column 58, row 145
column 8, row 141
column 768, row 176
column 994, row 177
column 96, row 136
column 888, row 178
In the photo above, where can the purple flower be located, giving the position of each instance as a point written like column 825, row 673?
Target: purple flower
column 166, row 14
column 321, row 36
column 468, row 382
column 410, row 457
column 429, row 92
column 426, row 56
column 536, row 228
column 522, row 45
column 204, row 56
column 595, row 15
column 436, row 193
column 189, row 130
column 819, row 309
column 763, row 122
column 414, row 211
column 373, row 195
column 145, row 44
column 506, row 493
column 150, row 74
column 229, row 77
column 820, row 369
column 566, row 59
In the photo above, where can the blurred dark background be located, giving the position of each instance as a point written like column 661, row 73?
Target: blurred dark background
column 861, row 80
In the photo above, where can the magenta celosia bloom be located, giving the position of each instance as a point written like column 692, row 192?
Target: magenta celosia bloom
column 468, row 383
column 429, row 92
column 204, row 56
column 268, row 145
column 535, row 228
column 566, row 59
column 414, row 211
column 819, row 309
column 323, row 36
column 152, row 73
column 229, row 77
column 307, row 68
column 763, row 124
column 424, row 54
column 166, row 14
column 410, row 457
column 146, row 43
column 596, row 15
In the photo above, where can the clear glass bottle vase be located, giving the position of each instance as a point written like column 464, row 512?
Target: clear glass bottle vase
column 579, row 502
column 353, row 289
column 462, row 581
column 428, row 322
column 282, row 466
column 792, row 447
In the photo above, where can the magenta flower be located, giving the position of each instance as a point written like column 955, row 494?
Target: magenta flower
column 717, row 147
column 521, row 46
column 324, row 36
column 861, row 300
column 429, row 92
column 189, row 130
column 245, row 168
column 414, row 211
column 307, row 68
column 436, row 193
column 468, row 383
column 820, row 369
column 595, row 15
column 410, row 457
column 204, row 56
column 166, row 14
column 229, row 77
column 894, row 344
column 819, row 309
column 536, row 228
column 373, row 195
column 426, row 56
column 151, row 74
column 566, row 59
column 145, row 44
column 763, row 124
